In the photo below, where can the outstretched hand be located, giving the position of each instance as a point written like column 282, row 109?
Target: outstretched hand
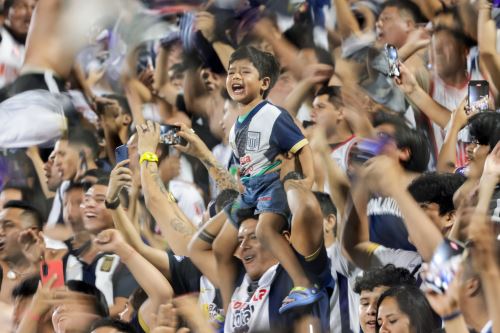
column 195, row 147
column 120, row 177
column 149, row 137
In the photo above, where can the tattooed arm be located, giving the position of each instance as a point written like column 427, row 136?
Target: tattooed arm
column 174, row 225
column 197, row 148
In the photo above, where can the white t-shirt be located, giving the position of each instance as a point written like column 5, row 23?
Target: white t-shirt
column 189, row 200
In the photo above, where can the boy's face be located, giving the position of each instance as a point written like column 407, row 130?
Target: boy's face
column 243, row 83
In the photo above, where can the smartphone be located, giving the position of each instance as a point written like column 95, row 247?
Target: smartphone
column 443, row 266
column 48, row 269
column 478, row 95
column 391, row 53
column 308, row 123
column 121, row 153
column 365, row 149
column 168, row 135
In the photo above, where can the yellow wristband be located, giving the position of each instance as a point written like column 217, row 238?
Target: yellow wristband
column 148, row 156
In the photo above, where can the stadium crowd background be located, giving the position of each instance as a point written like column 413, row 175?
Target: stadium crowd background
column 249, row 166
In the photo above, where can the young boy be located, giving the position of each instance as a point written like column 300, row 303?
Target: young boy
column 261, row 133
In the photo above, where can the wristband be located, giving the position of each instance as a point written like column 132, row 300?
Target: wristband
column 452, row 315
column 112, row 205
column 148, row 156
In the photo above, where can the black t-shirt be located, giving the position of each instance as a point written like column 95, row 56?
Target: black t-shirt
column 185, row 276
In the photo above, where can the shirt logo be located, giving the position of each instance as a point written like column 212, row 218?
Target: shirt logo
column 253, row 141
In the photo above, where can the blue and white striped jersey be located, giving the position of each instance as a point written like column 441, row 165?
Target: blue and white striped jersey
column 263, row 134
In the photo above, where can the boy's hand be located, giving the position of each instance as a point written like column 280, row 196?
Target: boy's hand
column 149, row 137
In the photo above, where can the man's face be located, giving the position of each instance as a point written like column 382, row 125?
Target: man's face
column 449, row 54
column 443, row 222
column 72, row 211
column 19, row 16
column 326, row 113
column 368, row 308
column 66, row 160
column 392, row 27
column 96, row 217
column 51, row 172
column 11, row 224
column 255, row 258
column 211, row 80
column 243, row 82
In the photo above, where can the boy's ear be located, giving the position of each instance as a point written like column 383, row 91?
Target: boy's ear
column 265, row 83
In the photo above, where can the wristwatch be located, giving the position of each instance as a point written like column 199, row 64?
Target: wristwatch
column 112, row 205
column 148, row 156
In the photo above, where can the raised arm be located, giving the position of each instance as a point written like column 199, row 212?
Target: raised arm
column 383, row 175
column 408, row 84
column 487, row 42
column 120, row 177
column 147, row 276
column 448, row 153
column 347, row 24
column 175, row 226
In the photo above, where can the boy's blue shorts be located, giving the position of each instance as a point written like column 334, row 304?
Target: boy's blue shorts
column 264, row 194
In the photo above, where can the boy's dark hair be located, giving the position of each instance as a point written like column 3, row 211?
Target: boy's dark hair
column 407, row 7
column 28, row 211
column 484, row 128
column 412, row 302
column 224, row 198
column 100, row 303
column 83, row 137
column 265, row 63
column 27, row 287
column 417, row 144
column 437, row 188
column 122, row 101
column 244, row 214
column 334, row 94
column 119, row 325
column 326, row 203
column 387, row 276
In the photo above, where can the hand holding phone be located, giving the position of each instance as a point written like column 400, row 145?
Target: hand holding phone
column 50, row 268
column 121, row 154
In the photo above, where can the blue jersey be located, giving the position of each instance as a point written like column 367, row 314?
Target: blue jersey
column 263, row 134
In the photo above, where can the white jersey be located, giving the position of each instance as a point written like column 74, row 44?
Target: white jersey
column 11, row 58
column 250, row 313
column 189, row 200
column 344, row 301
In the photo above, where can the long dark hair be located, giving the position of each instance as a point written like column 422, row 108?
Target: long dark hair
column 412, row 302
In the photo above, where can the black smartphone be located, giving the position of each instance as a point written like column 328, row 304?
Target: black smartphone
column 478, row 95
column 121, row 153
column 168, row 135
column 391, row 52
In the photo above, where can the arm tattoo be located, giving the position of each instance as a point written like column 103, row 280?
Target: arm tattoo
column 180, row 226
column 222, row 177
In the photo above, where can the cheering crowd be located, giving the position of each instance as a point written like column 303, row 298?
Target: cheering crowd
column 249, row 166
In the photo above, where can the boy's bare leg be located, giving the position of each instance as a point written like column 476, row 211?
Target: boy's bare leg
column 268, row 233
column 224, row 247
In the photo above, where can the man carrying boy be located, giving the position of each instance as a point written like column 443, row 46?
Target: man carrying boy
column 261, row 133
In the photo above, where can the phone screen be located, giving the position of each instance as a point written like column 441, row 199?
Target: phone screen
column 391, row 53
column 48, row 269
column 168, row 135
column 478, row 95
